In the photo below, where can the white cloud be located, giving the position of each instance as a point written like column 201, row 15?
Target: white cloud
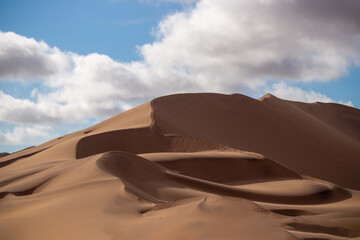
column 240, row 44
column 282, row 90
column 25, row 135
column 94, row 86
column 26, row 58
column 214, row 45
column 16, row 110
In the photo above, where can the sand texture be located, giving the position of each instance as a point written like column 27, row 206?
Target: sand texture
column 192, row 166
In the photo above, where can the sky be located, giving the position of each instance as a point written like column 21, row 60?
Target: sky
column 66, row 65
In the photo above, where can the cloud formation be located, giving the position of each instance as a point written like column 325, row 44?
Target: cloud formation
column 25, row 135
column 214, row 45
column 282, row 90
column 25, row 58
column 240, row 44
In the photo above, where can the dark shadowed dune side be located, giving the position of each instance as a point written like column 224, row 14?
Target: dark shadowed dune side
column 344, row 119
column 223, row 167
column 3, row 154
column 140, row 140
column 137, row 173
column 278, row 129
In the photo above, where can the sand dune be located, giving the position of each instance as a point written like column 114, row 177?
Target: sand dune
column 192, row 166
column 3, row 154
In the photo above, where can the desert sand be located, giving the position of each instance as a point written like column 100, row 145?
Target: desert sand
column 192, row 166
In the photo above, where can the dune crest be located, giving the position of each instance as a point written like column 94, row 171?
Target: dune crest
column 192, row 166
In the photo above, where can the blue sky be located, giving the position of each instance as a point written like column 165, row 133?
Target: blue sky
column 128, row 52
column 113, row 28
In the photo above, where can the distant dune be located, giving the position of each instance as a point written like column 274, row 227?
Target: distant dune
column 192, row 166
column 3, row 154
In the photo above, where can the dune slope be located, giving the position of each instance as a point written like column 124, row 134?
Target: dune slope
column 281, row 130
column 192, row 166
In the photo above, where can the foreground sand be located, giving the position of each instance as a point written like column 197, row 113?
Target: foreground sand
column 192, row 166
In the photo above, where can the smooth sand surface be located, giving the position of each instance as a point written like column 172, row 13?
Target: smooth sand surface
column 192, row 166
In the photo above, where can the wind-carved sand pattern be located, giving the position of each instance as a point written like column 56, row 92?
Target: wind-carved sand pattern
column 192, row 166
